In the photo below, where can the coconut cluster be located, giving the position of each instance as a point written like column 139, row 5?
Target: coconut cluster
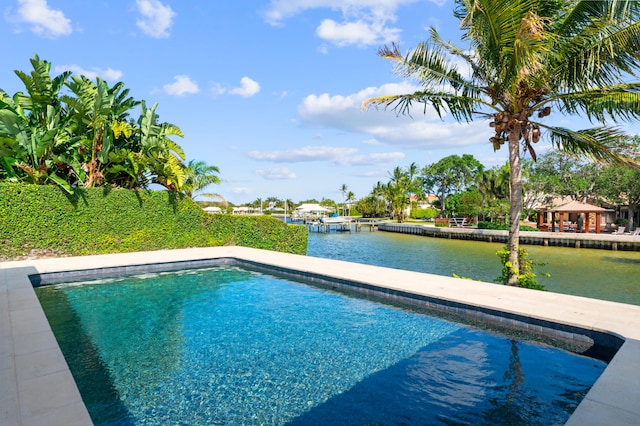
column 506, row 123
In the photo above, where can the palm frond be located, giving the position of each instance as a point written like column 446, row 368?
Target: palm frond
column 459, row 106
column 572, row 16
column 598, row 55
column 600, row 144
column 427, row 63
column 620, row 101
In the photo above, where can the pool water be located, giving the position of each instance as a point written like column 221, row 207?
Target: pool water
column 228, row 346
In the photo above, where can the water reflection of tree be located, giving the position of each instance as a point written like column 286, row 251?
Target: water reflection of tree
column 515, row 407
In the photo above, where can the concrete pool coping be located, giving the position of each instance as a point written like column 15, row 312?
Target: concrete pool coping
column 37, row 386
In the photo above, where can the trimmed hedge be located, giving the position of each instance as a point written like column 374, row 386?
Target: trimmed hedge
column 44, row 220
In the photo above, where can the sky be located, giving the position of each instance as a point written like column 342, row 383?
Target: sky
column 268, row 91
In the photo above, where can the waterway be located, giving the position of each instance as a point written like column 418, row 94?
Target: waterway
column 600, row 274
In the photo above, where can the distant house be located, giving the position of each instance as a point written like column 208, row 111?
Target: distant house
column 212, row 209
column 309, row 211
column 245, row 210
column 312, row 208
column 424, row 203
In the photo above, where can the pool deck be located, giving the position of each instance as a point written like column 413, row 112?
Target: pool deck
column 36, row 386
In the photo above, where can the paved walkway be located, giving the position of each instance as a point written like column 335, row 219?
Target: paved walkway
column 559, row 239
column 38, row 389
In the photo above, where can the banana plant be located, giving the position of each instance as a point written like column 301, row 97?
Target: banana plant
column 32, row 150
column 164, row 158
column 98, row 115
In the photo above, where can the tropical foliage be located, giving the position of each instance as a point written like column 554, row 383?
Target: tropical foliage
column 199, row 175
column 527, row 277
column 74, row 132
column 527, row 59
column 395, row 195
column 450, row 174
column 44, row 221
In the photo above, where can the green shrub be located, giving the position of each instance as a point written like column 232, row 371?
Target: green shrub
column 428, row 213
column 442, row 222
column 44, row 219
column 527, row 278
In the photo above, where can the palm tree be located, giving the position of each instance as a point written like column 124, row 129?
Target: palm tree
column 413, row 172
column 398, row 192
column 351, row 197
column 200, row 175
column 344, row 190
column 527, row 57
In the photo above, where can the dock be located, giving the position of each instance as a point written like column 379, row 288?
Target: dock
column 554, row 239
column 342, row 224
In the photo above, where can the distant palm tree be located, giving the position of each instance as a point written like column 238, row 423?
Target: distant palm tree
column 344, row 190
column 198, row 176
column 413, row 172
column 350, row 198
column 527, row 57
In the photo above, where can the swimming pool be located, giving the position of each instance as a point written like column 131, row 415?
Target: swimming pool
column 226, row 345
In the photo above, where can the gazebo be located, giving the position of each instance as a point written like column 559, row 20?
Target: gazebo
column 591, row 214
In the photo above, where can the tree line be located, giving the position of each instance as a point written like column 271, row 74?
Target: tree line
column 465, row 187
column 74, row 132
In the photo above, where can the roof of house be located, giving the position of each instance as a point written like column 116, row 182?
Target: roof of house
column 212, row 209
column 577, row 207
column 311, row 208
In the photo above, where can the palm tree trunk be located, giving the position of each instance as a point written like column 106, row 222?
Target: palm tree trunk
column 515, row 178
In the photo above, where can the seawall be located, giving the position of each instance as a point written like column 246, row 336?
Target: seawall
column 556, row 239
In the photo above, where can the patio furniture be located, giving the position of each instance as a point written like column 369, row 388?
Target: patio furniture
column 458, row 221
column 619, row 231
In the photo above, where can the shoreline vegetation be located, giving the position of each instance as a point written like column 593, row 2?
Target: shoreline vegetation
column 45, row 221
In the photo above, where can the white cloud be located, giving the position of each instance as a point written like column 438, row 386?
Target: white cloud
column 248, row 88
column 108, row 74
column 369, row 159
column 336, row 155
column 306, row 153
column 278, row 173
column 241, row 190
column 421, row 129
column 181, row 86
column 364, row 22
column 44, row 20
column 280, row 10
column 379, row 174
column 359, row 33
column 217, row 90
column 344, row 112
column 156, row 18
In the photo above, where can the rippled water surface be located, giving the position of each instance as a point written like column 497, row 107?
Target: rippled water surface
column 600, row 274
column 231, row 347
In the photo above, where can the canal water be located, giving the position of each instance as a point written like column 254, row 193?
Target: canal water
column 600, row 274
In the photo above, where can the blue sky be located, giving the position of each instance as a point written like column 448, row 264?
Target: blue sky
column 268, row 91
